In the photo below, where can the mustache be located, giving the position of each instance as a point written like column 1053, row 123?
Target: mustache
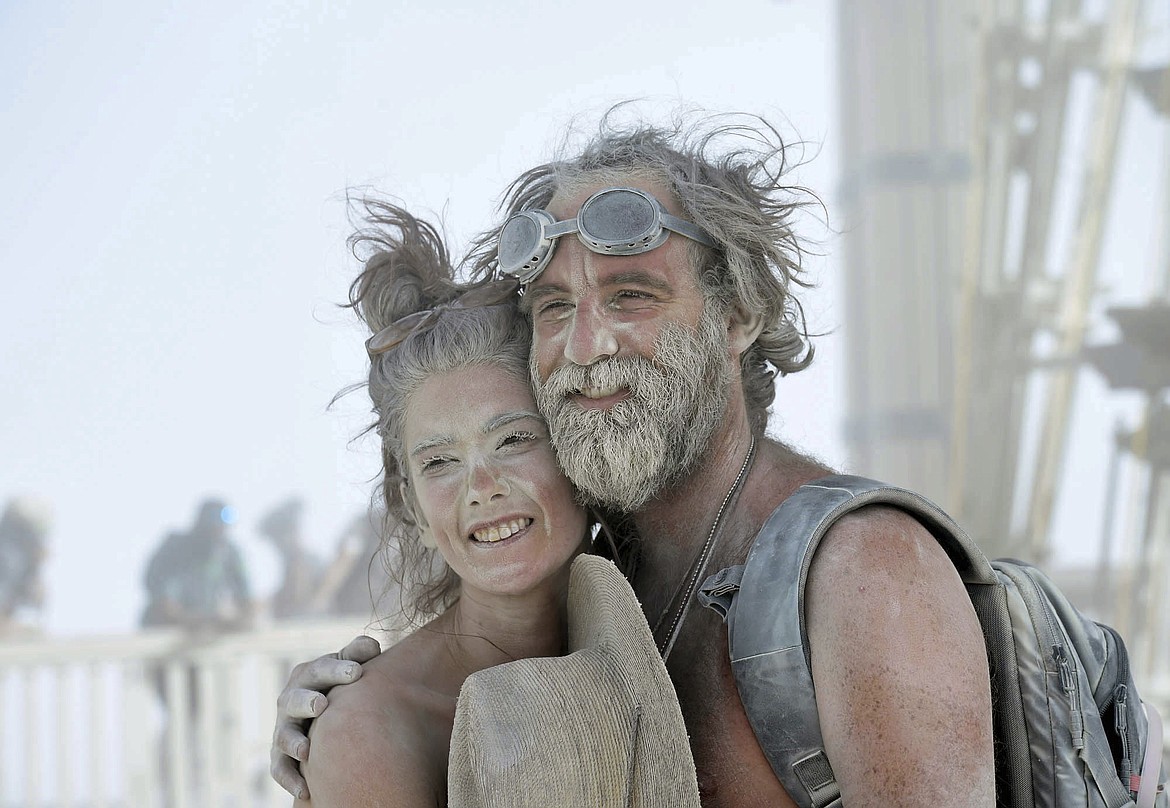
column 631, row 372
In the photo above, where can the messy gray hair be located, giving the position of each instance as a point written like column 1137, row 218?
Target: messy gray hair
column 407, row 269
column 727, row 173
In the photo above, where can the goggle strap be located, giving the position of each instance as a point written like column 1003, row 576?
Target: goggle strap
column 688, row 229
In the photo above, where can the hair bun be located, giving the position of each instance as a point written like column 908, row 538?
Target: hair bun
column 407, row 266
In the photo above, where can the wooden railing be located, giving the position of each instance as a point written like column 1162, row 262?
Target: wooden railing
column 161, row 718
column 164, row 719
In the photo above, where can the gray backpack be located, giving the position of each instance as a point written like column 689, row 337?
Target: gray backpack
column 1070, row 729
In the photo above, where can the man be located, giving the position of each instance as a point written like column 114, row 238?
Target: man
column 24, row 526
column 196, row 579
column 653, row 363
column 303, row 571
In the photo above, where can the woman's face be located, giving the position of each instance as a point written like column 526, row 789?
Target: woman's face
column 485, row 482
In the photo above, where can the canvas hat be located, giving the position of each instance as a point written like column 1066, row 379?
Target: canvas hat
column 598, row 727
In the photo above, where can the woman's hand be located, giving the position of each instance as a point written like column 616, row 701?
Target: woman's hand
column 303, row 699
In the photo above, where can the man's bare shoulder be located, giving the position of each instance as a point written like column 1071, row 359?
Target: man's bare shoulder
column 903, row 689
column 879, row 574
column 880, row 540
column 779, row 471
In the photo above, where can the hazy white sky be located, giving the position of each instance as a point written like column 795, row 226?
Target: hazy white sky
column 172, row 230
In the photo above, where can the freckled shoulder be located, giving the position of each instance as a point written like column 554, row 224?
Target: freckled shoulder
column 880, row 540
column 899, row 666
column 381, row 742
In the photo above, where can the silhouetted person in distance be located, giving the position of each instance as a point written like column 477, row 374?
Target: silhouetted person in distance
column 358, row 580
column 23, row 528
column 302, row 569
column 196, row 579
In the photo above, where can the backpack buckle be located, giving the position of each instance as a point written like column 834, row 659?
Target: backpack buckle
column 719, row 590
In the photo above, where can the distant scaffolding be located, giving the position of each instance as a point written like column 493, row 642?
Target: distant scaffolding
column 906, row 114
column 981, row 144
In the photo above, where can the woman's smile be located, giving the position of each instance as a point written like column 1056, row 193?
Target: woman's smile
column 500, row 530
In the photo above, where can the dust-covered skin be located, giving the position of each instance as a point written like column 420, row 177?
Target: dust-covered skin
column 902, row 683
column 485, row 490
column 899, row 667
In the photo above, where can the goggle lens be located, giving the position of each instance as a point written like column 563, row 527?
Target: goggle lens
column 519, row 243
column 614, row 221
column 619, row 217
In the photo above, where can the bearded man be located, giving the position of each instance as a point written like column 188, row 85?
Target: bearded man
column 659, row 268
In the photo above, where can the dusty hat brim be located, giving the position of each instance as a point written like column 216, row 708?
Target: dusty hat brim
column 598, row 727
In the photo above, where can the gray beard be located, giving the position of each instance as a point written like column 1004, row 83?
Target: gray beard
column 622, row 457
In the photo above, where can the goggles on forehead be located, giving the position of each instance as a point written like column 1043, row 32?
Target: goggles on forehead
column 614, row 221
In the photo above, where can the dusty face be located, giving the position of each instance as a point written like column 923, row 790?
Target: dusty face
column 484, row 482
column 630, row 371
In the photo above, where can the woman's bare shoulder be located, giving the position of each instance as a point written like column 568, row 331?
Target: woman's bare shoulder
column 383, row 740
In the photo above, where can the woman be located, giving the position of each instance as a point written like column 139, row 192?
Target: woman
column 487, row 527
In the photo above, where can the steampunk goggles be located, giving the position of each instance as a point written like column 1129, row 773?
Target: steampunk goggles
column 614, row 221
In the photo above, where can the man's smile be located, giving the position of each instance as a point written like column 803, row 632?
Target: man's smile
column 599, row 398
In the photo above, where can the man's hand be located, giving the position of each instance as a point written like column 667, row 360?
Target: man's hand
column 302, row 700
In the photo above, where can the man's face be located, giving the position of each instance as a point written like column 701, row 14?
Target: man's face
column 630, row 367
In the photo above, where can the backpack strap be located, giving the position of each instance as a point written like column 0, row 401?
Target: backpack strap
column 1149, row 786
column 769, row 650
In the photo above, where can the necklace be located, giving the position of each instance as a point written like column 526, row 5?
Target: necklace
column 700, row 564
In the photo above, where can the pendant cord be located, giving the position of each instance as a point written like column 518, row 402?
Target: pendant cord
column 700, row 564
